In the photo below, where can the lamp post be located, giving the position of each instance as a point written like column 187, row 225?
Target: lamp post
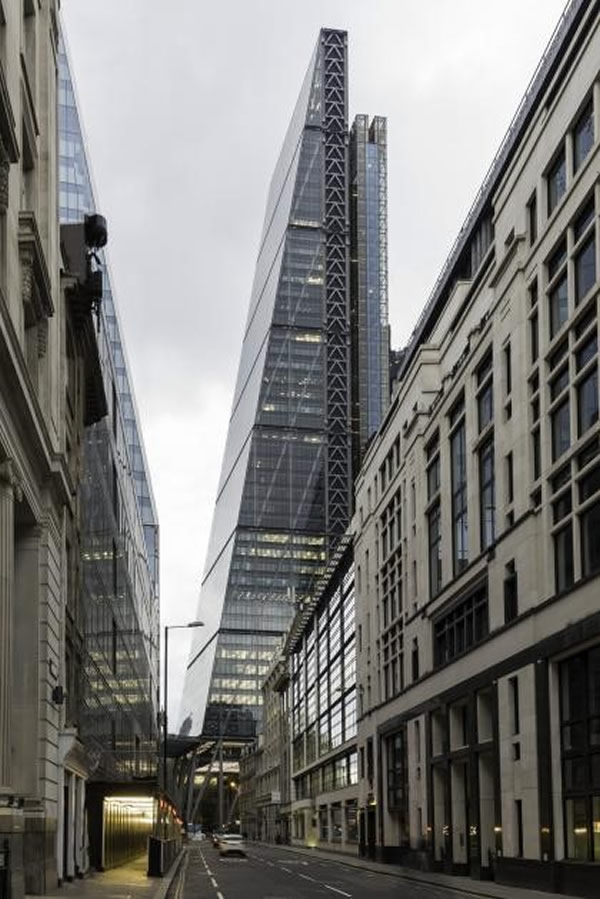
column 169, row 627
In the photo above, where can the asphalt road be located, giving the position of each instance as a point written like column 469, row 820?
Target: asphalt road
column 271, row 873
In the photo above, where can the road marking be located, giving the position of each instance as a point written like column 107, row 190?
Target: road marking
column 214, row 883
column 306, row 877
column 220, row 895
column 287, row 870
column 335, row 890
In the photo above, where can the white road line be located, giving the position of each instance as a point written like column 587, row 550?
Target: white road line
column 287, row 870
column 214, row 883
column 220, row 895
column 306, row 877
column 335, row 890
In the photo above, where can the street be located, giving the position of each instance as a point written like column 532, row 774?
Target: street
column 272, row 873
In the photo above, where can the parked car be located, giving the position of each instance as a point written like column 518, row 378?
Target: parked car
column 231, row 844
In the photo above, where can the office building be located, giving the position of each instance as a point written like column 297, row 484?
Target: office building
column 112, row 642
column 477, row 510
column 370, row 343
column 284, row 496
column 51, row 389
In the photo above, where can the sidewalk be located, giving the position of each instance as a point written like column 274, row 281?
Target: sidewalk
column 128, row 881
column 477, row 888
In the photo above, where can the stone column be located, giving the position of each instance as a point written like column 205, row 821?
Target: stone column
column 8, row 490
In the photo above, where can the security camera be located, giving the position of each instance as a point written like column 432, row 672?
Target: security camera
column 95, row 231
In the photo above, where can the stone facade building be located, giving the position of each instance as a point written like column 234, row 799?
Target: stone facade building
column 50, row 389
column 477, row 520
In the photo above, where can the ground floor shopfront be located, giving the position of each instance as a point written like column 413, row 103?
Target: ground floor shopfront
column 497, row 776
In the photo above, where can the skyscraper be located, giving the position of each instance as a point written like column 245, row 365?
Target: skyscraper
column 284, row 495
column 370, row 341
column 112, row 643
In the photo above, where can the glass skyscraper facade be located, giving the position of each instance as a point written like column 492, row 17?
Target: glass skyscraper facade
column 284, row 497
column 368, row 279
column 284, row 489
column 112, row 646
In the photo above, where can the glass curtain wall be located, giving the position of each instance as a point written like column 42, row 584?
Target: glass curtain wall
column 117, row 636
column 284, row 490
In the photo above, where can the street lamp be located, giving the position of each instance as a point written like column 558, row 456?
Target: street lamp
column 169, row 627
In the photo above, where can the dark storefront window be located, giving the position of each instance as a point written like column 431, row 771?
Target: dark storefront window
column 396, row 758
column 580, row 751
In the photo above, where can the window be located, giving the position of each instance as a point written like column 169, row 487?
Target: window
column 561, row 430
column 518, row 828
column 462, row 627
column 556, row 181
column 590, row 544
column 587, row 402
column 585, row 268
column 583, row 135
column 487, row 494
column 352, row 821
column 415, row 660
column 435, row 550
column 460, row 548
column 532, row 218
column 432, row 455
column 580, row 753
column 323, row 823
column 513, row 687
column 511, row 592
column 510, row 478
column 563, row 558
column 485, row 397
column 559, row 305
column 534, row 337
column 397, row 774
column 507, row 370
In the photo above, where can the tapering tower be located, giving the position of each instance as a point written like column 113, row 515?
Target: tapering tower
column 285, row 487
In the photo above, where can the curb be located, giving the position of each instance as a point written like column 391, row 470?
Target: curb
column 166, row 881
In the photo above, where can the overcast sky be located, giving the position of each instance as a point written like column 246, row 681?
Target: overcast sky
column 185, row 104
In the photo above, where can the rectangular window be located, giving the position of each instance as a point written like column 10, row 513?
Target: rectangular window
column 518, row 828
column 460, row 546
column 561, row 430
column 556, row 181
column 534, row 337
column 487, row 494
column 485, row 395
column 513, row 686
column 590, row 542
column 415, row 660
column 559, row 383
column 587, row 402
column 563, row 558
column 432, row 455
column 585, row 269
column 511, row 592
column 510, row 480
column 580, row 744
column 583, row 135
column 465, row 625
column 532, row 218
column 397, row 774
column 507, row 370
column 435, row 550
column 559, row 305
